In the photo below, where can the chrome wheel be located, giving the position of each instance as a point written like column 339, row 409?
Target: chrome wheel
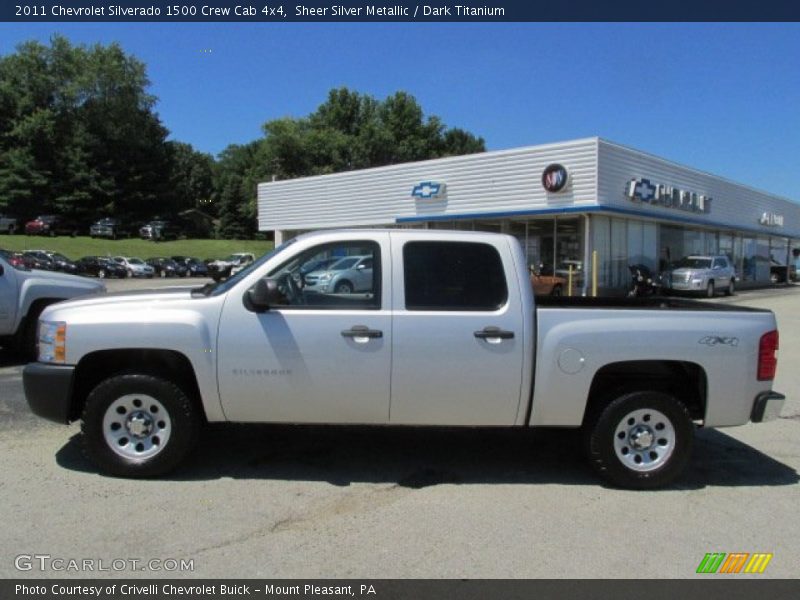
column 644, row 440
column 136, row 426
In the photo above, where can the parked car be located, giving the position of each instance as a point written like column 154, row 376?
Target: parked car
column 8, row 224
column 224, row 268
column 701, row 274
column 34, row 261
column 109, row 228
column 15, row 259
column 545, row 284
column 101, row 267
column 166, row 267
column 160, row 230
column 51, row 261
column 345, row 276
column 51, row 225
column 136, row 267
column 194, row 266
column 248, row 351
column 779, row 273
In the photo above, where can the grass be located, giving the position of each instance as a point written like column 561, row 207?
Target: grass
column 79, row 247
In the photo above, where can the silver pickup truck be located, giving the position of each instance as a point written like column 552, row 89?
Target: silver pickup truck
column 448, row 334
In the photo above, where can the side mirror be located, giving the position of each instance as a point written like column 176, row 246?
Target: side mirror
column 262, row 295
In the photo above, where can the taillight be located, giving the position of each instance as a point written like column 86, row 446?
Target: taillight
column 767, row 359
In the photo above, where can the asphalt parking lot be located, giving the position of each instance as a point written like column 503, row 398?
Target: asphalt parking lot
column 284, row 501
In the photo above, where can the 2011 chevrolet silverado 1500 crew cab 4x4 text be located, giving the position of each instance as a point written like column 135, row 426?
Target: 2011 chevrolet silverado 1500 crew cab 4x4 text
column 446, row 333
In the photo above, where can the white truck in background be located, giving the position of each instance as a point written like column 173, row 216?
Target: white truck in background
column 25, row 293
column 448, row 333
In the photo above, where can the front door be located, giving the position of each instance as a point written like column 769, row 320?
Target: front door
column 321, row 356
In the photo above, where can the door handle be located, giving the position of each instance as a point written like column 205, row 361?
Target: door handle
column 494, row 333
column 362, row 331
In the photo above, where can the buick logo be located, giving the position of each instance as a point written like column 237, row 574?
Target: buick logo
column 554, row 178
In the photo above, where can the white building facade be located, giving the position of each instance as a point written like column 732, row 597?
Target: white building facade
column 563, row 201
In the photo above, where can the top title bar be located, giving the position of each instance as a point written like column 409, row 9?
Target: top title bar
column 396, row 11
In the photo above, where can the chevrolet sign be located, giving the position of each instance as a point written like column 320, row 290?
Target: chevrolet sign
column 428, row 190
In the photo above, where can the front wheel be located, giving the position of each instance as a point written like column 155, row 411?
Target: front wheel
column 343, row 287
column 710, row 290
column 640, row 440
column 138, row 425
column 731, row 288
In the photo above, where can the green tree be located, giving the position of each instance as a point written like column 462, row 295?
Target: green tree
column 192, row 180
column 78, row 134
column 348, row 131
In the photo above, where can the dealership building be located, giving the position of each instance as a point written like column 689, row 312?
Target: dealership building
column 565, row 202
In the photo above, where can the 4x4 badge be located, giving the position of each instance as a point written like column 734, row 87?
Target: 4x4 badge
column 717, row 340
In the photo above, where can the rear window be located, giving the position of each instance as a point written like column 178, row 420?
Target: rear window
column 453, row 276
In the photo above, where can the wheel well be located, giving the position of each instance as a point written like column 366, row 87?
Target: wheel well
column 684, row 380
column 99, row 366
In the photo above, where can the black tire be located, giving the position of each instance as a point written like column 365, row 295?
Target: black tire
column 183, row 417
column 731, row 289
column 343, row 287
column 710, row 291
column 667, row 455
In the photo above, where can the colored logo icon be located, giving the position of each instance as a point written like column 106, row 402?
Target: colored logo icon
column 429, row 189
column 554, row 178
column 736, row 562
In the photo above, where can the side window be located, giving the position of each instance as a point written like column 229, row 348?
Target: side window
column 328, row 276
column 453, row 276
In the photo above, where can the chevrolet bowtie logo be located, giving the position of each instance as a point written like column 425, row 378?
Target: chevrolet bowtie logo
column 428, row 189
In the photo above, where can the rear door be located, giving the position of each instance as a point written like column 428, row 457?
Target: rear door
column 458, row 339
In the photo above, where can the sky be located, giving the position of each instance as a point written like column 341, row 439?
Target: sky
column 722, row 98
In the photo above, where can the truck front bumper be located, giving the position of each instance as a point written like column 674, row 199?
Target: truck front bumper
column 48, row 389
column 767, row 407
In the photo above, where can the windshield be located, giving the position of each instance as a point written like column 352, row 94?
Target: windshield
column 135, row 261
column 693, row 263
column 215, row 289
column 58, row 256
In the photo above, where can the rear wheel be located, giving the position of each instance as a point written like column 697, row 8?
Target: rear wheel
column 640, row 440
column 138, row 425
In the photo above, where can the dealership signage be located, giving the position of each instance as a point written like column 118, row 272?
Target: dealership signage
column 646, row 192
column 554, row 178
column 429, row 189
column 771, row 219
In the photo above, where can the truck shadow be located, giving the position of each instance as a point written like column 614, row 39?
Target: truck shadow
column 421, row 457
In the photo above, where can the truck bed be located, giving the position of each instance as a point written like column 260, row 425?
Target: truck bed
column 646, row 303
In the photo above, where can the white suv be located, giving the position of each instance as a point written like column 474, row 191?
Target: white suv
column 702, row 274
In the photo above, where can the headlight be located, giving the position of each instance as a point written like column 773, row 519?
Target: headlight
column 324, row 277
column 52, row 341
